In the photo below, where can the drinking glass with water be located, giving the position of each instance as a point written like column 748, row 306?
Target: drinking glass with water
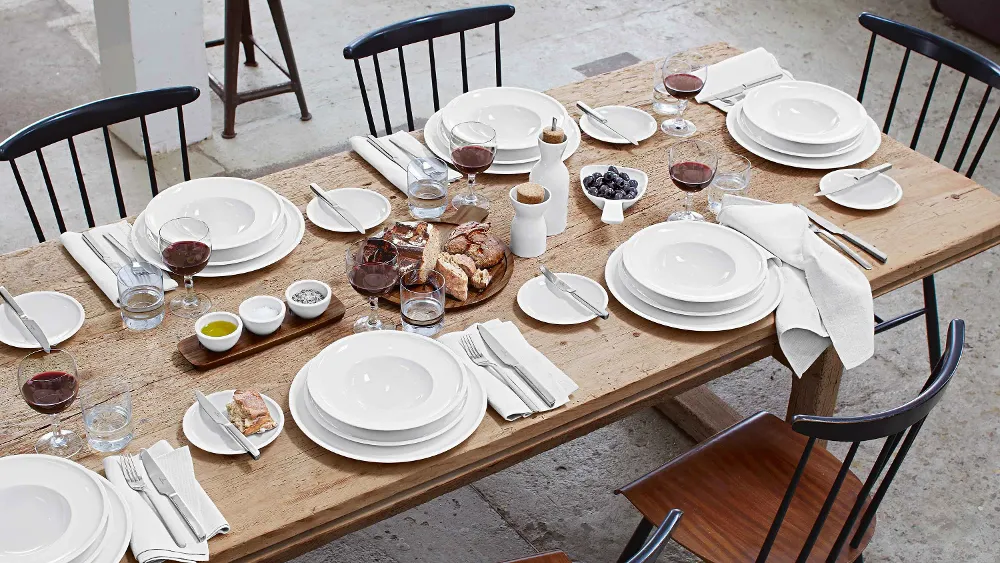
column 663, row 102
column 422, row 304
column 107, row 413
column 427, row 187
column 732, row 176
column 140, row 295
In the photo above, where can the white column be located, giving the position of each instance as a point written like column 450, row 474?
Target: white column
column 146, row 44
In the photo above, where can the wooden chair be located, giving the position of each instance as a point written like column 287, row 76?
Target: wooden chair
column 647, row 553
column 101, row 114
column 972, row 65
column 425, row 28
column 760, row 491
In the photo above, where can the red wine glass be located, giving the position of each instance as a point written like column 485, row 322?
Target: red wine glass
column 373, row 271
column 185, row 247
column 49, row 383
column 473, row 146
column 683, row 75
column 692, row 168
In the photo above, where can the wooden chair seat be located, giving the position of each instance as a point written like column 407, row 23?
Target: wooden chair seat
column 550, row 557
column 730, row 488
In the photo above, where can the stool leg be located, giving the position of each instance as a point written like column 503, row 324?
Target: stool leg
column 234, row 24
column 247, row 36
column 278, row 15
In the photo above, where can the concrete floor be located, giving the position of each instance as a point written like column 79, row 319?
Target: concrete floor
column 943, row 507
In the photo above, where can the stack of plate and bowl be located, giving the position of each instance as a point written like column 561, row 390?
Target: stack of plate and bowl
column 518, row 115
column 57, row 511
column 694, row 276
column 251, row 226
column 804, row 125
column 386, row 397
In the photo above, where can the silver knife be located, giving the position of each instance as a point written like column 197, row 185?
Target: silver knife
column 223, row 421
column 119, row 247
column 743, row 88
column 373, row 141
column 567, row 288
column 847, row 249
column 882, row 257
column 100, row 255
column 337, row 208
column 509, row 359
column 401, row 148
column 162, row 485
column 863, row 178
column 27, row 321
column 603, row 121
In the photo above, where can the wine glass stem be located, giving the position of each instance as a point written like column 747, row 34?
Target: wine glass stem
column 373, row 313
column 679, row 120
column 57, row 439
column 190, row 297
column 688, row 201
column 472, row 185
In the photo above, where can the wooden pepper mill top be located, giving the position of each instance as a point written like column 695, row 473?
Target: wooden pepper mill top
column 554, row 134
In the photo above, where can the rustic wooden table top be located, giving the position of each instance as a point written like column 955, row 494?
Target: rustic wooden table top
column 299, row 496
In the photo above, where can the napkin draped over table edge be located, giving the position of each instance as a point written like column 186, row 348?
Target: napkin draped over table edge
column 395, row 174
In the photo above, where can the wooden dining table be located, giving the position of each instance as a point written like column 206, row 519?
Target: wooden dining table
column 299, row 496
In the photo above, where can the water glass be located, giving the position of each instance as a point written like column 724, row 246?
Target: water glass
column 731, row 177
column 140, row 295
column 422, row 304
column 427, row 188
column 107, row 414
column 663, row 102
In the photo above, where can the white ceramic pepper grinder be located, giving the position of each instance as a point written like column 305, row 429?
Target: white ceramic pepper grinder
column 550, row 172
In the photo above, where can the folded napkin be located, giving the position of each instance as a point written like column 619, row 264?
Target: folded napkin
column 105, row 279
column 499, row 396
column 395, row 174
column 826, row 297
column 744, row 68
column 151, row 542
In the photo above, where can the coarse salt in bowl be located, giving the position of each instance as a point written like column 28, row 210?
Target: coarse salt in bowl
column 262, row 314
column 308, row 298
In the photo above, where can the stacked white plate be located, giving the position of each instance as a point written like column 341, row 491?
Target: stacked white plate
column 804, row 125
column 516, row 114
column 251, row 226
column 57, row 511
column 386, row 397
column 694, row 276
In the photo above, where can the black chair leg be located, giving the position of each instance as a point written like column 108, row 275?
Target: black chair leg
column 931, row 318
column 247, row 37
column 637, row 540
column 278, row 15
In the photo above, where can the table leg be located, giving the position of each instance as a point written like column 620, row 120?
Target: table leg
column 816, row 391
column 699, row 413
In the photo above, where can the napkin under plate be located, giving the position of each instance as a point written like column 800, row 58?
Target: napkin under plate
column 395, row 174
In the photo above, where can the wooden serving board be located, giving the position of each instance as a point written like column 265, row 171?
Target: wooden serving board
column 249, row 343
column 499, row 276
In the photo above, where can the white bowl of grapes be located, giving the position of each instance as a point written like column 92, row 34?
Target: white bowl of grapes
column 612, row 189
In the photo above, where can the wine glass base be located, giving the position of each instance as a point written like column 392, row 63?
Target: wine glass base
column 190, row 310
column 476, row 200
column 362, row 325
column 686, row 216
column 66, row 444
column 670, row 127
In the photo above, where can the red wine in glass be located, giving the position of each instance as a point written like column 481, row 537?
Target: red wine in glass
column 50, row 392
column 472, row 159
column 683, row 85
column 373, row 279
column 691, row 176
column 186, row 257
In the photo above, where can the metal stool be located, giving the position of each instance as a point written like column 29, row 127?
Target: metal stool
column 239, row 30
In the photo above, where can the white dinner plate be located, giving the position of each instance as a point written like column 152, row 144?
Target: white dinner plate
column 237, row 211
column 386, row 380
column 53, row 509
column 540, row 300
column 629, row 121
column 871, row 140
column 516, row 114
column 369, row 207
column 205, row 434
column 119, row 528
column 878, row 193
column 792, row 148
column 805, row 112
column 472, row 415
column 58, row 315
column 762, row 308
column 291, row 239
column 695, row 261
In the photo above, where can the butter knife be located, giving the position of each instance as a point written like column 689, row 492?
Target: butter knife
column 506, row 357
column 567, row 288
column 603, row 121
column 339, row 210
column 863, row 178
column 223, row 421
column 743, row 88
column 882, row 257
column 28, row 322
column 163, row 486
column 373, row 141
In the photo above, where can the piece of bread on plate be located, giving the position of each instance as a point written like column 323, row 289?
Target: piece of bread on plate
column 480, row 279
column 456, row 282
column 248, row 412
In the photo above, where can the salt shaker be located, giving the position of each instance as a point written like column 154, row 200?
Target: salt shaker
column 550, row 172
column 527, row 228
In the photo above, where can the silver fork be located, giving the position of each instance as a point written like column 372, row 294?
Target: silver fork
column 477, row 358
column 138, row 484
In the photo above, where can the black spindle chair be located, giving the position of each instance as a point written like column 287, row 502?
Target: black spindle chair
column 100, row 114
column 424, row 28
column 761, row 490
column 973, row 66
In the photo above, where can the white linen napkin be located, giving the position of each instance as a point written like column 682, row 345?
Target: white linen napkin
column 826, row 298
column 744, row 68
column 395, row 174
column 504, row 401
column 151, row 542
column 105, row 279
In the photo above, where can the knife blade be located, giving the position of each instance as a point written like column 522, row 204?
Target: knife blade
column 567, row 288
column 877, row 254
column 163, row 486
column 28, row 322
column 223, row 421
column 351, row 219
column 603, row 121
column 743, row 88
column 506, row 357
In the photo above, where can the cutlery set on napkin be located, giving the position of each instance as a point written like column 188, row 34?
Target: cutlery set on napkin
column 730, row 80
column 390, row 154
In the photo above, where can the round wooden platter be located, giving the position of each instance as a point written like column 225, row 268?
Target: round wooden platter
column 499, row 274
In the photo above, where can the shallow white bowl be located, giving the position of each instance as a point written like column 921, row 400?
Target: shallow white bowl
column 308, row 310
column 218, row 343
column 805, row 112
column 262, row 326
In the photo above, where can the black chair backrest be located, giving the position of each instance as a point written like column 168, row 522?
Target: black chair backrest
column 901, row 424
column 658, row 541
column 101, row 114
column 945, row 52
column 425, row 28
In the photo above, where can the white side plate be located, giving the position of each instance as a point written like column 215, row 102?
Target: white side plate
column 369, row 207
column 542, row 301
column 205, row 434
column 58, row 314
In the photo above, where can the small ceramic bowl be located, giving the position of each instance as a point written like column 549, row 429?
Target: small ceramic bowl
column 614, row 208
column 218, row 343
column 308, row 310
column 262, row 325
